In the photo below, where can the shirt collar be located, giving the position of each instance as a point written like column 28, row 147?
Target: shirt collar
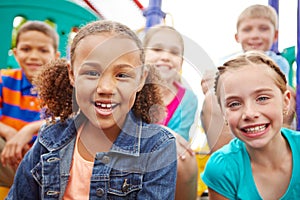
column 129, row 140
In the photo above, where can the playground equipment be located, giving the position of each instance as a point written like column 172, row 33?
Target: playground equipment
column 64, row 13
column 292, row 54
column 298, row 68
column 67, row 15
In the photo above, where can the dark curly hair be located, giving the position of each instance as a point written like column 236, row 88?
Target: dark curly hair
column 57, row 94
column 55, row 91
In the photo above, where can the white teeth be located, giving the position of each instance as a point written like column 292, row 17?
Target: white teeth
column 255, row 129
column 102, row 105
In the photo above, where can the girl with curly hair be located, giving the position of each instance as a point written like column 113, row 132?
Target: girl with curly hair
column 99, row 141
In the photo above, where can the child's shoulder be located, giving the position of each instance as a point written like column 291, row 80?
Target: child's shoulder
column 159, row 130
column 156, row 136
column 12, row 73
column 56, row 134
column 280, row 61
column 291, row 135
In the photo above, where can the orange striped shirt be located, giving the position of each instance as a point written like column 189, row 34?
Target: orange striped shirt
column 19, row 104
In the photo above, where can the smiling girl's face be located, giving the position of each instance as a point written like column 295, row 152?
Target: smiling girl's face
column 254, row 109
column 107, row 73
column 165, row 50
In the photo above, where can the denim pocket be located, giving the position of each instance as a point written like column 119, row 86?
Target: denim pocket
column 124, row 183
column 116, row 185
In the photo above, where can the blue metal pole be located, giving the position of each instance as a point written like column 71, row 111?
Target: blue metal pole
column 153, row 13
column 275, row 5
column 298, row 69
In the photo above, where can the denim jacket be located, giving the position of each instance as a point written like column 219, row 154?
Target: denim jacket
column 140, row 165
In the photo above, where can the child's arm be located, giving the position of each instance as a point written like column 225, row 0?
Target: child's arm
column 187, row 170
column 17, row 146
column 7, row 132
column 217, row 133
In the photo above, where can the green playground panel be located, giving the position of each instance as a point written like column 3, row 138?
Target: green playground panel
column 64, row 13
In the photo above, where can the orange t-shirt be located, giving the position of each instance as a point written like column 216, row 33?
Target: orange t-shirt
column 80, row 175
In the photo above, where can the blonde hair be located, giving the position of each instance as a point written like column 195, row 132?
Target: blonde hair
column 156, row 29
column 251, row 58
column 259, row 11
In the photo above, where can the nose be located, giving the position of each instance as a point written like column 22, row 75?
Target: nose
column 106, row 85
column 250, row 112
column 255, row 33
column 33, row 54
column 165, row 55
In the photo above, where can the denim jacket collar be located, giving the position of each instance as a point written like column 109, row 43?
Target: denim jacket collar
column 128, row 142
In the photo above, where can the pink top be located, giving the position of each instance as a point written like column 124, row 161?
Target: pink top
column 78, row 186
column 174, row 104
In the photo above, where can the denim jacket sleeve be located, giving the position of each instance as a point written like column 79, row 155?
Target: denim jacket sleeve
column 160, row 180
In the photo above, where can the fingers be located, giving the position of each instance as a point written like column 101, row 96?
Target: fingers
column 183, row 148
column 12, row 154
column 186, row 152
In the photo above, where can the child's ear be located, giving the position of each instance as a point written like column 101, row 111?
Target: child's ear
column 57, row 55
column 275, row 36
column 15, row 53
column 71, row 74
column 286, row 100
column 143, row 79
column 236, row 37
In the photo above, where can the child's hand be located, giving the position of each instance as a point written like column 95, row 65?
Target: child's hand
column 183, row 147
column 15, row 148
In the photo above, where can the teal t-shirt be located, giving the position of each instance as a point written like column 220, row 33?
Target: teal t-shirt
column 228, row 170
column 185, row 115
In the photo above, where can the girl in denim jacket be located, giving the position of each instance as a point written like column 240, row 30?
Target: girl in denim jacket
column 99, row 143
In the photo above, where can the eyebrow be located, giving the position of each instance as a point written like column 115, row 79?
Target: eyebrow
column 116, row 67
column 91, row 63
column 125, row 65
column 260, row 90
column 162, row 46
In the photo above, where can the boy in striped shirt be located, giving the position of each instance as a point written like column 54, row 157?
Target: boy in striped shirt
column 36, row 45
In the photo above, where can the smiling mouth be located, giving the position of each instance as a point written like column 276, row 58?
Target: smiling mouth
column 106, row 106
column 254, row 46
column 256, row 129
column 164, row 67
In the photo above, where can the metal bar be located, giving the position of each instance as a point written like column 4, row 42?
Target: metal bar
column 275, row 5
column 153, row 13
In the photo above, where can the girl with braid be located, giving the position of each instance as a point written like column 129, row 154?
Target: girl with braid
column 263, row 160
